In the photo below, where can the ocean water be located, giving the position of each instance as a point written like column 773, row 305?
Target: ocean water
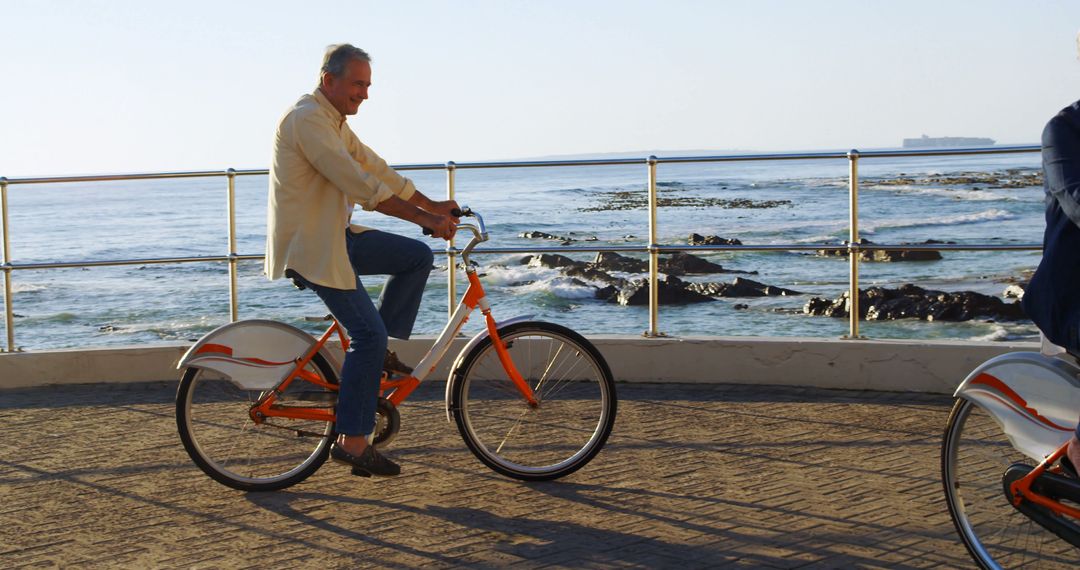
column 147, row 304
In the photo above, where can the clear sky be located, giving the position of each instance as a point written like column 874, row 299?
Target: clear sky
column 103, row 86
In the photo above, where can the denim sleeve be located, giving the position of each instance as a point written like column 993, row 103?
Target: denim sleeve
column 1061, row 164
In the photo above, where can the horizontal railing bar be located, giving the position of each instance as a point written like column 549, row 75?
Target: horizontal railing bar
column 950, row 152
column 1014, row 149
column 118, row 262
column 544, row 163
column 117, row 177
column 770, row 247
column 556, row 249
column 884, row 247
column 136, row 176
column 948, row 247
column 753, row 157
column 431, row 166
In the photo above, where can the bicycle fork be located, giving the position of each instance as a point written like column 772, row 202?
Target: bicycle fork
column 508, row 363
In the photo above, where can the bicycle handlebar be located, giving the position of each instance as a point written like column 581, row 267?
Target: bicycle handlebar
column 478, row 229
column 456, row 213
column 464, row 212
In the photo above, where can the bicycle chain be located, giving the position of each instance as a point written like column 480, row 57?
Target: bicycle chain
column 298, row 432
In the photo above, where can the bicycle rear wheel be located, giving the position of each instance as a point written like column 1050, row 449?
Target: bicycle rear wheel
column 576, row 395
column 222, row 439
column 974, row 456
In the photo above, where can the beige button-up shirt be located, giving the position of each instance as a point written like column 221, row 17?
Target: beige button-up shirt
column 319, row 171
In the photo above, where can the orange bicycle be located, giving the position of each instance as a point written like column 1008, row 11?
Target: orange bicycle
column 532, row 400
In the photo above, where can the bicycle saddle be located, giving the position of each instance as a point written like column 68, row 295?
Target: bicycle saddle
column 295, row 277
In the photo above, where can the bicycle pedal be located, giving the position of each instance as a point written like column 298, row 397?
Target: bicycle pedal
column 360, row 472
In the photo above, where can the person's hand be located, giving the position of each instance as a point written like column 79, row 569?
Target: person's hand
column 442, row 226
column 446, row 208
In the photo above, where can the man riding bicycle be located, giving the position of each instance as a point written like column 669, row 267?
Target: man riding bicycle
column 1052, row 299
column 320, row 171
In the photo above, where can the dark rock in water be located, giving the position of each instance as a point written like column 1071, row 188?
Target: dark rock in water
column 912, row 302
column 611, row 261
column 681, row 263
column 740, row 306
column 552, row 260
column 607, row 293
column 1010, row 178
column 673, row 198
column 543, row 235
column 740, row 288
column 586, row 271
column 678, row 263
column 698, row 239
column 826, row 308
column 672, row 291
column 887, row 255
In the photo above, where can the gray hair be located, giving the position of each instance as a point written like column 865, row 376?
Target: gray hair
column 339, row 55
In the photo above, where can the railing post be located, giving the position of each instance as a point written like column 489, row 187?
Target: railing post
column 9, row 311
column 853, row 245
column 451, row 269
column 233, row 301
column 654, row 255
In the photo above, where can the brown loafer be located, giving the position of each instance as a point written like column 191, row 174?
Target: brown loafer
column 369, row 462
column 393, row 366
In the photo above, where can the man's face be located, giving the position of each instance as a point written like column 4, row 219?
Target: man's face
column 346, row 92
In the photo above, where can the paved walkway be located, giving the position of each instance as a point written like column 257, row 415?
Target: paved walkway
column 694, row 476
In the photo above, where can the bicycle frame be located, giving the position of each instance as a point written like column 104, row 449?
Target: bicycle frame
column 1022, row 489
column 400, row 388
column 1034, row 399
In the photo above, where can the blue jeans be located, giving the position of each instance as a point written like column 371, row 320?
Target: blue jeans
column 407, row 262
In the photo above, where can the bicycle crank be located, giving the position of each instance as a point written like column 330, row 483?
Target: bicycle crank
column 387, row 423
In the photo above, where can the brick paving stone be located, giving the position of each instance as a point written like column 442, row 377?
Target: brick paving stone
column 694, row 476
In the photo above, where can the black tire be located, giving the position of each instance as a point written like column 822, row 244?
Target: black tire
column 975, row 455
column 217, row 432
column 577, row 399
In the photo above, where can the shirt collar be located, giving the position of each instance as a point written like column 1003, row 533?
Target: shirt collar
column 327, row 106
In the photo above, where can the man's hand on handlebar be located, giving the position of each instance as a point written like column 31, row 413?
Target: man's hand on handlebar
column 447, row 208
column 441, row 226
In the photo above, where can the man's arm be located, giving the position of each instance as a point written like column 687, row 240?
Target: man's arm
column 1061, row 162
column 444, row 207
column 442, row 225
column 403, row 188
column 327, row 153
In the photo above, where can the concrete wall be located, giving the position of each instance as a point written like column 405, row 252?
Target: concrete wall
column 860, row 364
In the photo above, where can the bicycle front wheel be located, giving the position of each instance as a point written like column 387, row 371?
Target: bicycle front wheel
column 570, row 380
column 222, row 439
column 974, row 457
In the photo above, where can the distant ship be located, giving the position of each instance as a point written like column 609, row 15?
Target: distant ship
column 926, row 141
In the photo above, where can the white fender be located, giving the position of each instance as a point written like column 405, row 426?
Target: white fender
column 1035, row 399
column 468, row 348
column 253, row 354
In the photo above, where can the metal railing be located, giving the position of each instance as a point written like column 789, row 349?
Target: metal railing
column 653, row 249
